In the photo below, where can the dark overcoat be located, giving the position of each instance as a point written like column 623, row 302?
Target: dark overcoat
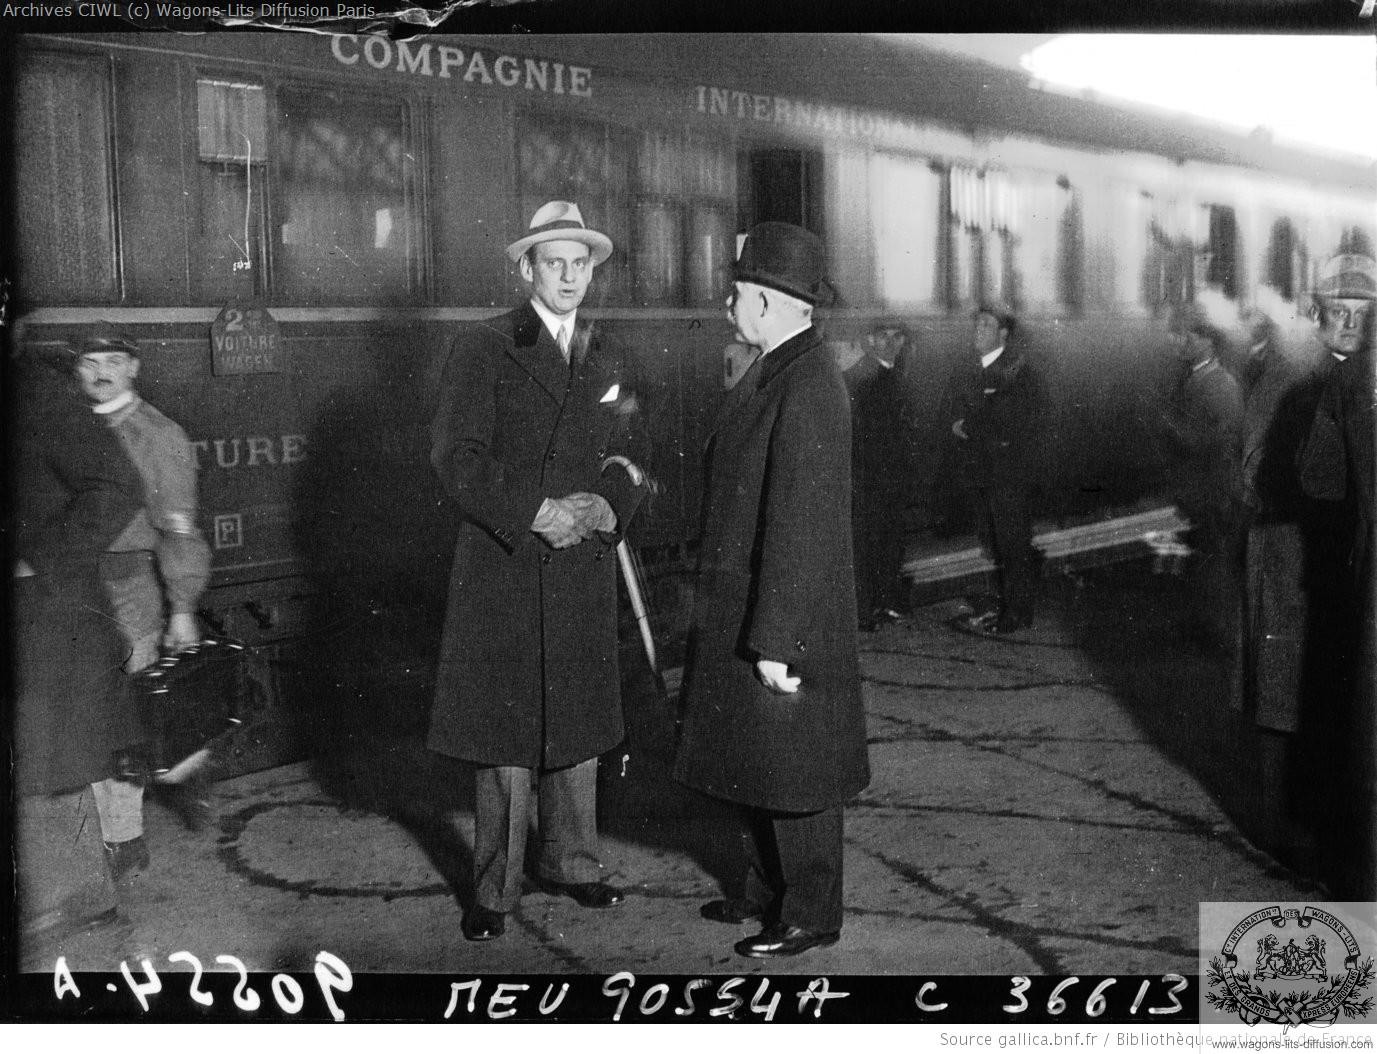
column 75, row 490
column 775, row 581
column 1277, row 411
column 1203, row 433
column 528, row 662
column 1337, row 461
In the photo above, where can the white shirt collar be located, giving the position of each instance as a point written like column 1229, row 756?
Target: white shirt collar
column 786, row 338
column 119, row 402
column 990, row 356
column 552, row 321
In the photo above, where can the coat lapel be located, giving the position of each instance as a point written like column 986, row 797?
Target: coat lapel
column 739, row 394
column 764, row 370
column 535, row 351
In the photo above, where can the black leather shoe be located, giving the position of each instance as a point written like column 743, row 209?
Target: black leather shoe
column 588, row 894
column 126, row 858
column 483, row 924
column 780, row 940
column 732, row 910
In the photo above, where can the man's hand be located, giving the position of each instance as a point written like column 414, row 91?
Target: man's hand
column 558, row 524
column 182, row 633
column 775, row 676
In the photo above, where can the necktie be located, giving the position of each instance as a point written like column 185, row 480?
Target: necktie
column 563, row 340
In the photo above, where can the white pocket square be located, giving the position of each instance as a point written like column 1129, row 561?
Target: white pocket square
column 612, row 393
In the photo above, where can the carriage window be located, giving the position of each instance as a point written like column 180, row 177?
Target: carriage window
column 65, row 238
column 782, row 185
column 966, row 233
column 232, row 145
column 1356, row 240
column 710, row 198
column 1037, row 224
column 1284, row 264
column 1016, row 237
column 1217, row 250
column 685, row 212
column 906, row 197
column 1129, row 223
column 232, row 121
column 345, row 207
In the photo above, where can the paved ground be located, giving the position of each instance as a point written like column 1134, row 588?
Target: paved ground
column 1032, row 811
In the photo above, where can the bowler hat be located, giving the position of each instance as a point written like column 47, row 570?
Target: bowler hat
column 557, row 221
column 784, row 257
column 1348, row 276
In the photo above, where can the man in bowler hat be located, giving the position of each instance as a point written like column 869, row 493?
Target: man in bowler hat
column 536, row 443
column 773, row 715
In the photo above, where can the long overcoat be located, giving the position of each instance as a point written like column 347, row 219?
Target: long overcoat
column 528, row 662
column 775, row 581
column 75, row 491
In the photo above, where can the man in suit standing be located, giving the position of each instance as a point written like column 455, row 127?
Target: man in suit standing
column 882, row 467
column 536, row 442
column 773, row 715
column 993, row 407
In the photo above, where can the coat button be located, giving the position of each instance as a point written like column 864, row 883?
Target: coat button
column 602, row 454
column 800, row 645
column 599, row 555
column 545, row 558
column 550, row 456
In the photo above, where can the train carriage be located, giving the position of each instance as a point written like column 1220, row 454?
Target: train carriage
column 361, row 188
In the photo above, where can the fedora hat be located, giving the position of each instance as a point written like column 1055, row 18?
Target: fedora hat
column 1348, row 276
column 784, row 257
column 561, row 221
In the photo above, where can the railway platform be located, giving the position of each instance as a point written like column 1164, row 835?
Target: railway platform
column 1040, row 804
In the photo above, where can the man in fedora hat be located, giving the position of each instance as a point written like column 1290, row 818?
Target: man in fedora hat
column 773, row 716
column 1338, row 724
column 533, row 406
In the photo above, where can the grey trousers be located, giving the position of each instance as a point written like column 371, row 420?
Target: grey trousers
column 566, row 822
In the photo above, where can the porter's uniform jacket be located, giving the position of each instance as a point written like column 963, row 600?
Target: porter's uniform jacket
column 775, row 581
column 164, row 531
column 528, row 663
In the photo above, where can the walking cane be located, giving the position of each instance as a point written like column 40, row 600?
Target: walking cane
column 635, row 583
column 631, row 573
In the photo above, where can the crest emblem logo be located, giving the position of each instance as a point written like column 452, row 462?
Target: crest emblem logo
column 1275, row 966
